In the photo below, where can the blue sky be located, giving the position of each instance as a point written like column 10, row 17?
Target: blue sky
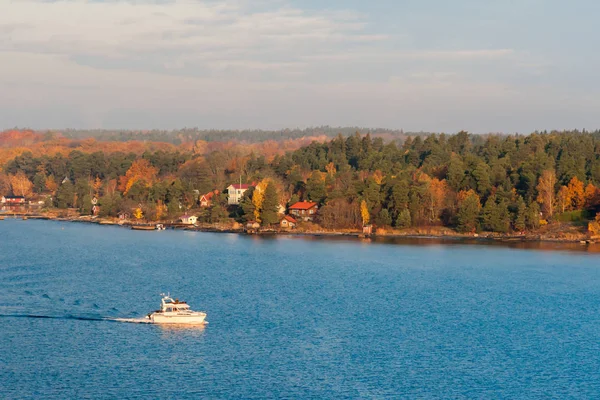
column 433, row 65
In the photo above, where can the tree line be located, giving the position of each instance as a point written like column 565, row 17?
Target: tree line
column 497, row 183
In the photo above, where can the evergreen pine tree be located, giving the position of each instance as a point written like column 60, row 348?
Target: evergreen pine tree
column 403, row 220
column 521, row 215
column 532, row 220
column 270, row 205
column 489, row 213
column 383, row 218
column 468, row 213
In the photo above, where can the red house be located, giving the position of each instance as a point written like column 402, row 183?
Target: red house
column 206, row 199
column 288, row 222
column 304, row 210
column 12, row 200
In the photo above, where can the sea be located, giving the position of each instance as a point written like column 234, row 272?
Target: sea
column 292, row 317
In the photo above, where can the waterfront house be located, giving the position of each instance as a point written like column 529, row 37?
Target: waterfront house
column 206, row 199
column 12, row 200
column 305, row 210
column 189, row 219
column 124, row 215
column 235, row 193
column 288, row 222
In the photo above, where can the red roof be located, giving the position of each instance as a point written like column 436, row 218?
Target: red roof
column 303, row 205
column 208, row 195
column 290, row 219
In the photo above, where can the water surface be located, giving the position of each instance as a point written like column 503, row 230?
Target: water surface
column 291, row 317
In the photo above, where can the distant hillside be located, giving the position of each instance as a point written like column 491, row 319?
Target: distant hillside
column 187, row 135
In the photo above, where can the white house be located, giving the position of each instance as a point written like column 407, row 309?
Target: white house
column 189, row 219
column 236, row 192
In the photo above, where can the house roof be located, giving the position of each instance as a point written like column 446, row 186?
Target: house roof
column 290, row 219
column 208, row 195
column 303, row 205
column 13, row 197
column 243, row 186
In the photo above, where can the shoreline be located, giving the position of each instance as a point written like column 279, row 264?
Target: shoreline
column 412, row 234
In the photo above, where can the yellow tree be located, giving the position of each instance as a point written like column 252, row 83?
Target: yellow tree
column 564, row 199
column 594, row 226
column 258, row 197
column 138, row 213
column 330, row 168
column 97, row 185
column 364, row 213
column 378, row 177
column 576, row 192
column 545, row 188
column 438, row 193
column 21, row 185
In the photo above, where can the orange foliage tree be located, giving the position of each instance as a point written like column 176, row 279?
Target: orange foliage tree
column 592, row 195
column 140, row 171
column 51, row 184
column 576, row 193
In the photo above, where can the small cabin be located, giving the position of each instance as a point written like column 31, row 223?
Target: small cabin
column 288, row 222
column 124, row 215
column 189, row 219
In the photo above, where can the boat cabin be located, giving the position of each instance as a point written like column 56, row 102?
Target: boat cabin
column 170, row 305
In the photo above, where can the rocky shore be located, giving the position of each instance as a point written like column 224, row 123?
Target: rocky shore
column 553, row 233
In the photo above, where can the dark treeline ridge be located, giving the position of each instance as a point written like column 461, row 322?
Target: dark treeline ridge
column 185, row 135
column 498, row 183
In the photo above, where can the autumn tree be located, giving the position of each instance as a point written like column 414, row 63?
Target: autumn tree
column 364, row 213
column 258, row 197
column 51, row 184
column 594, row 226
column 564, row 199
column 21, row 185
column 140, row 171
column 5, row 186
column 576, row 193
column 592, row 196
column 545, row 190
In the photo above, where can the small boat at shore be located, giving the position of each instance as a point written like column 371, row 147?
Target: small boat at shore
column 175, row 312
column 143, row 227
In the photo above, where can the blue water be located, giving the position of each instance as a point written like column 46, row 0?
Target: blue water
column 291, row 317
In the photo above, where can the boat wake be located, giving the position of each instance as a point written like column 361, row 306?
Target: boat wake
column 72, row 317
column 131, row 320
column 78, row 318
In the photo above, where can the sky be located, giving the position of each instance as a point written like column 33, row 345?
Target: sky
column 418, row 65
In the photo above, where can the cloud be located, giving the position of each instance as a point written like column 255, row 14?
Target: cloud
column 176, row 34
column 247, row 64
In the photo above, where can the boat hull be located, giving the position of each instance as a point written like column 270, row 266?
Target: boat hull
column 163, row 318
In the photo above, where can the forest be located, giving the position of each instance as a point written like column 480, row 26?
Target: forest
column 467, row 182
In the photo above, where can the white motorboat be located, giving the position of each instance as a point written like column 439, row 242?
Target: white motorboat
column 175, row 312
